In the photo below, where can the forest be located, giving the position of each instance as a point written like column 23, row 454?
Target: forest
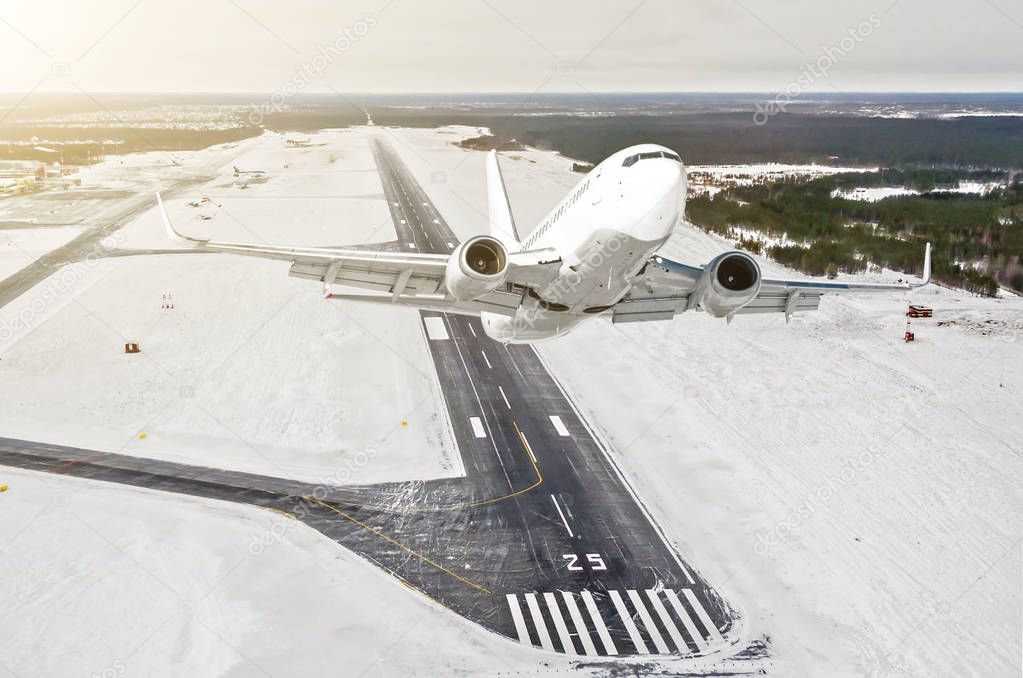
column 977, row 239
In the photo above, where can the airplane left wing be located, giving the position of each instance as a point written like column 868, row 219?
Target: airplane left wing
column 668, row 287
column 408, row 279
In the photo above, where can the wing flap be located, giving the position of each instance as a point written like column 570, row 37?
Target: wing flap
column 503, row 303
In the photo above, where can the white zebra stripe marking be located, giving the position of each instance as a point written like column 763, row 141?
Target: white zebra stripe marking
column 580, row 625
column 559, row 624
column 648, row 622
column 538, row 622
column 520, row 623
column 687, row 621
column 630, row 626
column 662, row 612
column 704, row 617
column 598, row 623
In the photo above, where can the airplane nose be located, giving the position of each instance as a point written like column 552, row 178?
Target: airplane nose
column 657, row 178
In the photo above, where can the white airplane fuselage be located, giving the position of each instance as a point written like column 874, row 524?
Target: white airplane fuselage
column 606, row 229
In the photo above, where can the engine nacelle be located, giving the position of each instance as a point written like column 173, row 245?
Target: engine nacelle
column 478, row 266
column 729, row 282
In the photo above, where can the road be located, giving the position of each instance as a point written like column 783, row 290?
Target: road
column 542, row 541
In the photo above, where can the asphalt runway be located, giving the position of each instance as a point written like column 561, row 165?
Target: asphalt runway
column 542, row 541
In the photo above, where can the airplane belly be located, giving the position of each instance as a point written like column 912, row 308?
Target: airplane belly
column 597, row 273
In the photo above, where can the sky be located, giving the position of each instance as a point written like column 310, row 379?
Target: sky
column 510, row 45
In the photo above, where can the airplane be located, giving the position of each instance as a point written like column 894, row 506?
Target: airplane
column 595, row 254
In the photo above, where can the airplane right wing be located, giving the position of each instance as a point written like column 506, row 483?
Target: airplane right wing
column 731, row 285
column 402, row 278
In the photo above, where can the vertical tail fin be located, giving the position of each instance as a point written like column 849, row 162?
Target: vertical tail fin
column 502, row 223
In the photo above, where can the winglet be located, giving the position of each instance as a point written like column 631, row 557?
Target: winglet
column 927, row 267
column 502, row 223
column 171, row 233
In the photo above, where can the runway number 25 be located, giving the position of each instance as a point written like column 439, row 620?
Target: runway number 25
column 594, row 559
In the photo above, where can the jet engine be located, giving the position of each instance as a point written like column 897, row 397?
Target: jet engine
column 478, row 266
column 729, row 282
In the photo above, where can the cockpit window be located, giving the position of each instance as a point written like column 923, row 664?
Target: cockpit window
column 633, row 159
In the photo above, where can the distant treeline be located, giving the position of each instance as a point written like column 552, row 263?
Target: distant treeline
column 126, row 140
column 734, row 138
column 967, row 230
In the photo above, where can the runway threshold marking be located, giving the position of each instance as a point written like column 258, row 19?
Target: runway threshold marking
column 666, row 621
column 648, row 622
column 538, row 622
column 580, row 625
column 520, row 622
column 598, row 623
column 630, row 626
column 567, row 646
column 704, row 617
column 687, row 621
column 395, row 542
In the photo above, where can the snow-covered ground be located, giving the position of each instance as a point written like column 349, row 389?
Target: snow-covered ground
column 250, row 370
column 106, row 580
column 21, row 246
column 857, row 496
column 887, row 472
column 878, row 193
column 712, row 179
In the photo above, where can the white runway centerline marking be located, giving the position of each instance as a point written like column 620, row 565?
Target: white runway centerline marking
column 477, row 427
column 559, row 426
column 470, row 326
column 564, row 522
column 435, row 328
column 504, row 397
column 580, row 625
column 520, row 623
column 486, row 359
column 538, row 622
